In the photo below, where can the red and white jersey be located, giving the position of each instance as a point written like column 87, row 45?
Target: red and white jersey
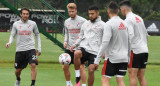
column 115, row 42
column 25, row 38
column 139, row 40
column 72, row 28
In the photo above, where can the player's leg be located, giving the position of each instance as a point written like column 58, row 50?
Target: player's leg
column 120, row 81
column 134, row 65
column 67, row 74
column 141, row 72
column 107, row 73
column 66, row 70
column 122, row 69
column 20, row 64
column 141, row 77
column 91, row 70
column 32, row 59
column 105, row 80
column 83, row 74
column 33, row 73
column 133, row 76
column 77, row 63
column 18, row 73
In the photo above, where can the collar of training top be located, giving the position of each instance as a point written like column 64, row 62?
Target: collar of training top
column 23, row 21
column 98, row 19
column 74, row 17
column 114, row 17
column 129, row 14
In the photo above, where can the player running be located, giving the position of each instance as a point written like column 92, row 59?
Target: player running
column 139, row 54
column 25, row 45
column 115, row 44
column 89, row 42
column 72, row 29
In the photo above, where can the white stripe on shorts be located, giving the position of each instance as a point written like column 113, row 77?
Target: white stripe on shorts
column 107, row 76
column 120, row 76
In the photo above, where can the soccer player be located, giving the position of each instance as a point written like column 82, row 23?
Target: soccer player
column 72, row 29
column 25, row 45
column 89, row 42
column 115, row 44
column 139, row 54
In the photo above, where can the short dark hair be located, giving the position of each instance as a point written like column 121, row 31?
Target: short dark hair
column 93, row 7
column 125, row 2
column 113, row 7
column 24, row 9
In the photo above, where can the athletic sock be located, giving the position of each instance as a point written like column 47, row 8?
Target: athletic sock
column 83, row 84
column 18, row 78
column 33, row 83
column 68, row 83
column 77, row 73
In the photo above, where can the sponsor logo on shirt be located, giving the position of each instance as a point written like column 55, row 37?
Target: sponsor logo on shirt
column 74, row 30
column 122, row 27
column 138, row 20
column 24, row 32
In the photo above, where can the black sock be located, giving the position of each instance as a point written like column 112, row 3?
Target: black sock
column 18, row 78
column 33, row 82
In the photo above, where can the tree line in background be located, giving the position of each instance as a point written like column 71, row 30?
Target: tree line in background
column 147, row 9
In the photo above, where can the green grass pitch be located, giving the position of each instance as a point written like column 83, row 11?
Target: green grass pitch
column 51, row 74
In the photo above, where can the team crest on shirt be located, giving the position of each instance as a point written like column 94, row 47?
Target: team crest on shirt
column 78, row 24
column 96, row 28
column 20, row 27
column 69, row 25
column 29, row 26
column 87, row 25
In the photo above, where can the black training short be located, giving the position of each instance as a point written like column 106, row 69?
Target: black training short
column 86, row 56
column 71, row 54
column 114, row 69
column 22, row 58
column 138, row 60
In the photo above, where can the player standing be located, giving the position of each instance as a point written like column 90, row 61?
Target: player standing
column 139, row 54
column 89, row 42
column 25, row 45
column 72, row 29
column 115, row 44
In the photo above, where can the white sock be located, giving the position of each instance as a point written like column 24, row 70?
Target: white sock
column 68, row 82
column 83, row 84
column 77, row 73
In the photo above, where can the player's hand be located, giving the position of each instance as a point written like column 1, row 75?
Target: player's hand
column 96, row 66
column 72, row 47
column 39, row 53
column 8, row 45
column 65, row 44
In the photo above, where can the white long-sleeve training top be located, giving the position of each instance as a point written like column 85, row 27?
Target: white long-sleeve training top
column 72, row 28
column 139, row 40
column 115, row 41
column 24, row 32
column 91, row 36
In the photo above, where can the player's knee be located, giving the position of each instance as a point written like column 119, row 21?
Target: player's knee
column 91, row 71
column 33, row 66
column 140, row 76
column 77, row 54
column 65, row 68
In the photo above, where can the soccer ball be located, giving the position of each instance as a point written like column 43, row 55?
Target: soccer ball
column 64, row 58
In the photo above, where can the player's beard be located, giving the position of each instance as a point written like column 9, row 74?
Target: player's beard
column 93, row 20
